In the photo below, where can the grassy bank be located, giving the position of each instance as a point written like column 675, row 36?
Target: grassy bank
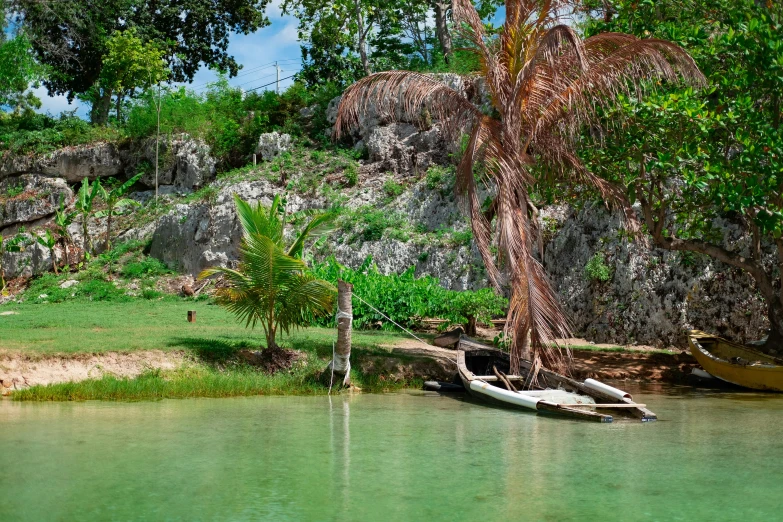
column 98, row 327
column 205, row 381
column 74, row 328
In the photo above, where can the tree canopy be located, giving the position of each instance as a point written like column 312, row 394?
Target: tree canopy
column 696, row 161
column 72, row 38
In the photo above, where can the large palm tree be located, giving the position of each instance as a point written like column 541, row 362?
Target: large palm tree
column 272, row 285
column 545, row 84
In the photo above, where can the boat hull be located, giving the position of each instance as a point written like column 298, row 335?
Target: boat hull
column 735, row 363
column 477, row 380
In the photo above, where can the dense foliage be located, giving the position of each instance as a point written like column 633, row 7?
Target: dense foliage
column 695, row 160
column 407, row 299
column 72, row 38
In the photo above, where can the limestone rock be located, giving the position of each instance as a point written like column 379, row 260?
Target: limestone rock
column 654, row 296
column 34, row 259
column 402, row 148
column 272, row 144
column 183, row 162
column 73, row 164
column 194, row 237
column 28, row 198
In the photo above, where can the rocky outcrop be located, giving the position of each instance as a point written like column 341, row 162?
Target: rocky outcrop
column 403, row 142
column 72, row 164
column 652, row 296
column 403, row 148
column 194, row 237
column 33, row 259
column 272, row 144
column 28, row 198
column 184, row 163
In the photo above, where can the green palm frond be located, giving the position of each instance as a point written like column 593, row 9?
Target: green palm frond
column 321, row 223
column 270, row 286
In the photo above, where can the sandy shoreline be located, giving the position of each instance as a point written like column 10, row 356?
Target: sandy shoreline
column 20, row 370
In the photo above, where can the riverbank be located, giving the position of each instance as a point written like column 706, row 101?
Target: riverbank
column 147, row 350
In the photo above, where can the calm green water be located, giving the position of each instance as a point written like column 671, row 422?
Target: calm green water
column 406, row 456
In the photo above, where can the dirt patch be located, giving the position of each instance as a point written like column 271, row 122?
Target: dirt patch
column 20, row 371
column 633, row 366
column 271, row 360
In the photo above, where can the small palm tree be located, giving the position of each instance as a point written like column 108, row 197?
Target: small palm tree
column 545, row 84
column 114, row 201
column 271, row 285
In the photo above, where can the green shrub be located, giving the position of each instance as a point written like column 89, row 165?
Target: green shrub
column 147, row 267
column 351, row 173
column 597, row 270
column 392, row 189
column 407, row 299
column 374, row 222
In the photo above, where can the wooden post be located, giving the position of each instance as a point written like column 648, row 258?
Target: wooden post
column 191, row 316
column 254, row 160
column 340, row 366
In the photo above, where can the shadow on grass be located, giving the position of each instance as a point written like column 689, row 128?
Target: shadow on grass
column 213, row 350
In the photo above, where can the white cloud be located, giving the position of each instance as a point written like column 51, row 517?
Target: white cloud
column 288, row 35
column 273, row 10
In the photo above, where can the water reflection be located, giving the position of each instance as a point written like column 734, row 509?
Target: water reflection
column 405, row 456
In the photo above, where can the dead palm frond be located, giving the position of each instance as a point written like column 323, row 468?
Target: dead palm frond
column 546, row 84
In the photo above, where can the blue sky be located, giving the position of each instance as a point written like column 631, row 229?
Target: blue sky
column 277, row 41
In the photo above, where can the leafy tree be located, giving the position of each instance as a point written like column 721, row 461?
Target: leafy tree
column 272, row 284
column 348, row 39
column 545, row 83
column 85, row 200
column 114, row 201
column 71, row 38
column 130, row 64
column 694, row 160
column 18, row 69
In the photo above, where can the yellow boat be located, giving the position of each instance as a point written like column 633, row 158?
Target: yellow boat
column 735, row 363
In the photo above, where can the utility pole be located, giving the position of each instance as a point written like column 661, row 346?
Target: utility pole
column 278, row 77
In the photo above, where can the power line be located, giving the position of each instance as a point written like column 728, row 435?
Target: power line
column 245, row 73
column 268, row 84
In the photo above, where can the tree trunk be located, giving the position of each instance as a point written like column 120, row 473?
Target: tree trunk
column 340, row 367
column 99, row 114
column 362, row 38
column 85, row 238
column 470, row 328
column 774, row 343
column 108, row 230
column 54, row 261
column 442, row 28
column 157, row 144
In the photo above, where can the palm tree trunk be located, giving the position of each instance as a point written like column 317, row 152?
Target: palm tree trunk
column 341, row 364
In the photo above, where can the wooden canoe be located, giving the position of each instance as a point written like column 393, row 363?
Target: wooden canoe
column 475, row 362
column 735, row 363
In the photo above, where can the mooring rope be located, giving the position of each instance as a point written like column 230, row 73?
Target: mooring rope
column 397, row 324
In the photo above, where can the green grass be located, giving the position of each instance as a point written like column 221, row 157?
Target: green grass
column 204, row 381
column 96, row 327
column 74, row 327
